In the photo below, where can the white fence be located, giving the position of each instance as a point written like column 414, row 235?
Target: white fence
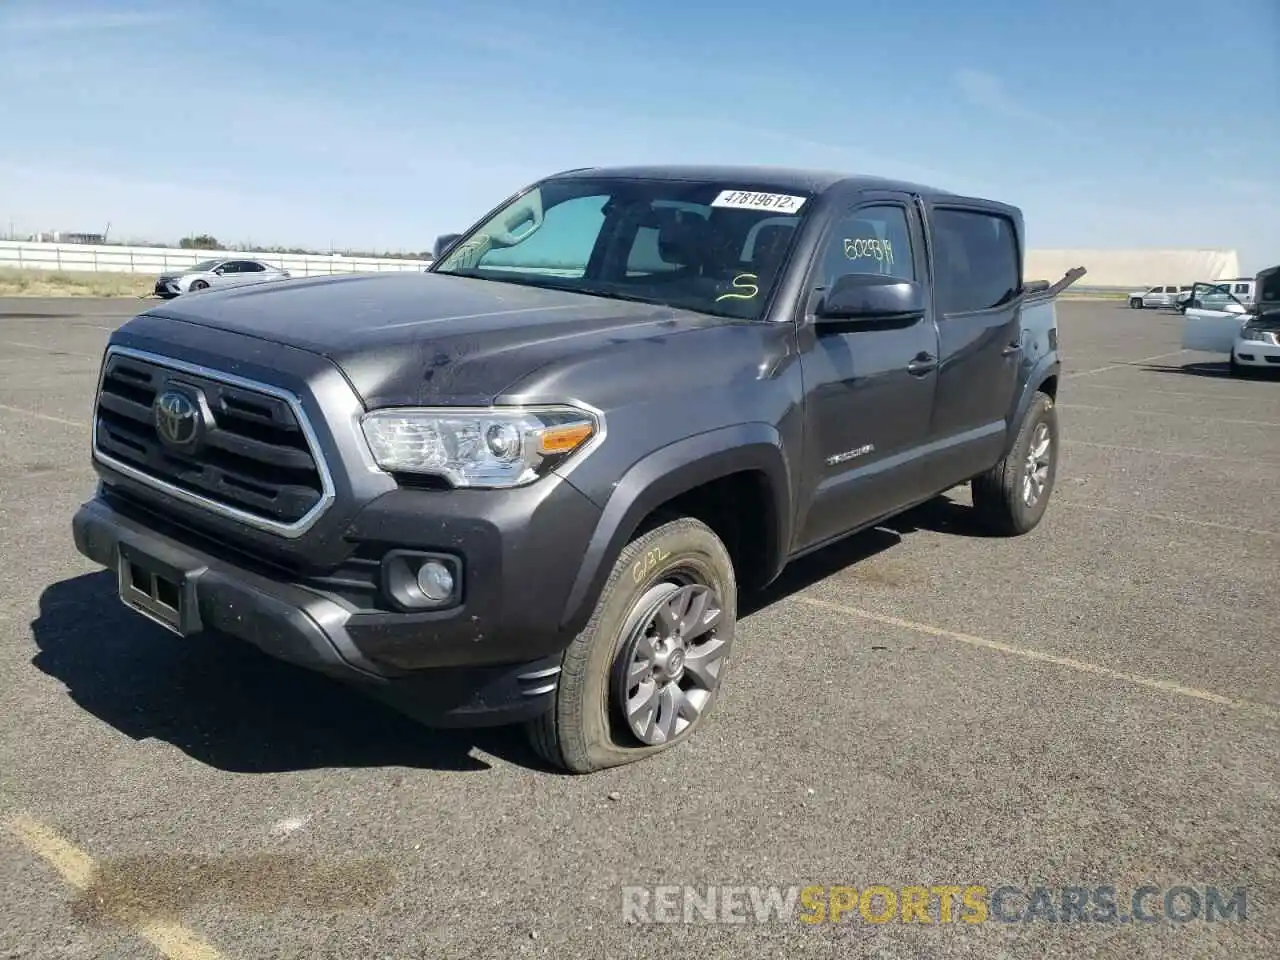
column 80, row 257
column 1119, row 269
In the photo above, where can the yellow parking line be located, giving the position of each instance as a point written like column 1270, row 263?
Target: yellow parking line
column 1082, row 666
column 57, row 351
column 1168, row 518
column 44, row 416
column 77, row 868
column 1167, row 413
column 1122, row 363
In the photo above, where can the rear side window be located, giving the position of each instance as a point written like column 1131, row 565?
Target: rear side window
column 976, row 260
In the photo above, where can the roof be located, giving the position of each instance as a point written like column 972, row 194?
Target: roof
column 762, row 178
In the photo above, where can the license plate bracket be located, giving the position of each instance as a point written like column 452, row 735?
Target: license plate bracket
column 160, row 591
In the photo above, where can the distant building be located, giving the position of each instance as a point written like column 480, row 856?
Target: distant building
column 1133, row 269
column 57, row 236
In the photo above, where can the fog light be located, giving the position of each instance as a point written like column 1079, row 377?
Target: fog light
column 435, row 581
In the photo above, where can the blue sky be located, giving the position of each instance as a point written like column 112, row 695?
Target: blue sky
column 381, row 125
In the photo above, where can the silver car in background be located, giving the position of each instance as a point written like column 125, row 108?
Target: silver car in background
column 216, row 273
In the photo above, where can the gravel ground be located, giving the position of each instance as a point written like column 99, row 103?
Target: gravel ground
column 1096, row 704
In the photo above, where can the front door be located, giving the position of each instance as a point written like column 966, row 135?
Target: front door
column 1212, row 320
column 868, row 388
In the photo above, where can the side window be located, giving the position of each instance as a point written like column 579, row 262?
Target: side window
column 655, row 248
column 765, row 233
column 1242, row 288
column 645, row 256
column 875, row 240
column 563, row 244
column 230, row 267
column 976, row 260
column 251, row 266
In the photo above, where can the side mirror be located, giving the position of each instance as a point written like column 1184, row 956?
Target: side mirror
column 857, row 296
column 443, row 243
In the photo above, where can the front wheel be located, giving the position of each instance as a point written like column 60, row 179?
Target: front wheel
column 199, row 285
column 1135, row 303
column 646, row 671
column 1012, row 496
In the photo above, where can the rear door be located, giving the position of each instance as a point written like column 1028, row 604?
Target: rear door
column 868, row 388
column 242, row 271
column 977, row 264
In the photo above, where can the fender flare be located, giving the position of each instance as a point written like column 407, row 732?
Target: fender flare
column 1048, row 366
column 668, row 472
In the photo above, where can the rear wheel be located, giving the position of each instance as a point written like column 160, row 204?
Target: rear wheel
column 649, row 666
column 1012, row 496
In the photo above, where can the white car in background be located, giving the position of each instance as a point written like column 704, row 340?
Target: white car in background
column 224, row 272
column 1249, row 334
column 1161, row 295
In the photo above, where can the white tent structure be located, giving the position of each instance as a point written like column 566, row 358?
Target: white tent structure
column 1133, row 269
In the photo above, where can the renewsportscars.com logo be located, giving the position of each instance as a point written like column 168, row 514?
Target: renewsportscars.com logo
column 933, row 904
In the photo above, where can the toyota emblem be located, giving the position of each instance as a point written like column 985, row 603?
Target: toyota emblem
column 177, row 418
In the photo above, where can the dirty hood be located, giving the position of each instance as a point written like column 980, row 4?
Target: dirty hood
column 422, row 338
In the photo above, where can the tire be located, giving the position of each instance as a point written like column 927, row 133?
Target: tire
column 1135, row 303
column 1000, row 494
column 1235, row 367
column 586, row 728
column 198, row 285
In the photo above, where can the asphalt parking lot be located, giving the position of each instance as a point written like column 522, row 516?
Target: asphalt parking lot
column 1096, row 704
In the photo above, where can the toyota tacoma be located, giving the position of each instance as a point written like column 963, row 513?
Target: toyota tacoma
column 528, row 485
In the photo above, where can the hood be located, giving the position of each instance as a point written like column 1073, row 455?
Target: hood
column 424, row 338
column 1268, row 318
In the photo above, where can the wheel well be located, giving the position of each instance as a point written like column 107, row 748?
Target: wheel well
column 1050, row 387
column 742, row 510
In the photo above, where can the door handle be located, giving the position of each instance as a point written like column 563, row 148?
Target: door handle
column 1011, row 349
column 922, row 364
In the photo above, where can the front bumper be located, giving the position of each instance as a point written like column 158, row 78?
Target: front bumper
column 166, row 288
column 195, row 591
column 1255, row 353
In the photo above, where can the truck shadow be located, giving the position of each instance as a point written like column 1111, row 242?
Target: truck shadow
column 225, row 704
column 1199, row 369
column 940, row 515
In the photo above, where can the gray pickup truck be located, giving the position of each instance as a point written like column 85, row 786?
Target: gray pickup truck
column 529, row 484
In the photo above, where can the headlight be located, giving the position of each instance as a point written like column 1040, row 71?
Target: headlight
column 1258, row 336
column 492, row 447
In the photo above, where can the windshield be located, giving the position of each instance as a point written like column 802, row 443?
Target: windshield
column 204, row 266
column 711, row 247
